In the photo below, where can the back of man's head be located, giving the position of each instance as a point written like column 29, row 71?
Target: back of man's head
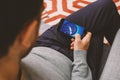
column 14, row 16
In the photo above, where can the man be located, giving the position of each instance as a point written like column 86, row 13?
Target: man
column 18, row 33
column 18, row 40
column 51, row 59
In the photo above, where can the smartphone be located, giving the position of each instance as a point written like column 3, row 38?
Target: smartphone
column 71, row 29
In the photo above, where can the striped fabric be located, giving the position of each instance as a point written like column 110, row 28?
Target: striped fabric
column 57, row 9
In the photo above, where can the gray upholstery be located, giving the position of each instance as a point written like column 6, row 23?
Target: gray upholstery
column 112, row 67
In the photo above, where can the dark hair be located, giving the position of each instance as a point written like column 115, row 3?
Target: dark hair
column 13, row 17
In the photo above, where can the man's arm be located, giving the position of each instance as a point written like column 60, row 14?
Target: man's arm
column 81, row 70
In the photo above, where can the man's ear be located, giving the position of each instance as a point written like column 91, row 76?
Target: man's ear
column 29, row 35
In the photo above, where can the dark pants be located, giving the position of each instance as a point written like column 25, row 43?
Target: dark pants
column 101, row 18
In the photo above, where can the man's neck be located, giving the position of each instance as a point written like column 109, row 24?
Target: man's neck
column 9, row 68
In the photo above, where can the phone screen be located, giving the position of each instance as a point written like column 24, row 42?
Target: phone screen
column 71, row 28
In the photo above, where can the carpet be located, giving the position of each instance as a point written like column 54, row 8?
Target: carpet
column 57, row 9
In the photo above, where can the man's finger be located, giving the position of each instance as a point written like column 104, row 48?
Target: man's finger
column 72, row 48
column 72, row 44
column 77, row 37
column 72, row 39
column 87, row 38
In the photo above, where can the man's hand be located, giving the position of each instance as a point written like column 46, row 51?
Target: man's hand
column 81, row 44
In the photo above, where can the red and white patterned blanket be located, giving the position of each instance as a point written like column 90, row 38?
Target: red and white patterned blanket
column 57, row 9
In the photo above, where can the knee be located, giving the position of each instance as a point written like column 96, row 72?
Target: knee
column 107, row 4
